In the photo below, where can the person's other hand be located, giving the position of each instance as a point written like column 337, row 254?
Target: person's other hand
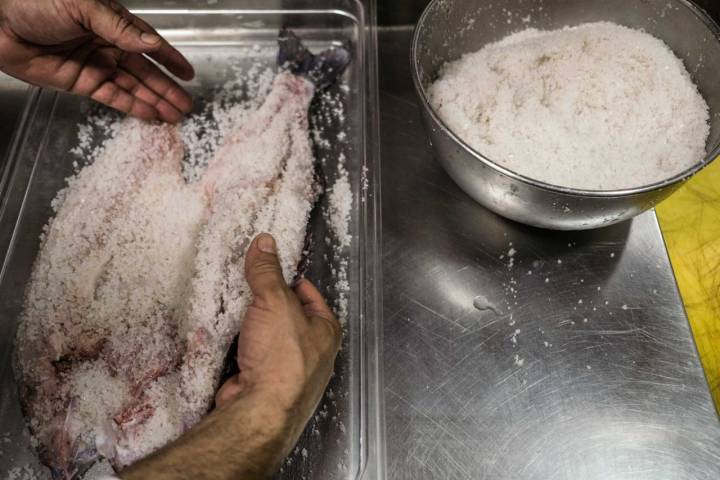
column 288, row 340
column 95, row 48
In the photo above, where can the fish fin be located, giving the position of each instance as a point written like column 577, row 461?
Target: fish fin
column 322, row 69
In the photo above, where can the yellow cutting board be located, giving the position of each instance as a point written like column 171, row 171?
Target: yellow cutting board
column 690, row 221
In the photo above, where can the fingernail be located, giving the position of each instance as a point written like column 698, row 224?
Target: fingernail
column 266, row 243
column 149, row 38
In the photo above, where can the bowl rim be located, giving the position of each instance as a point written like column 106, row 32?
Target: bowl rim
column 685, row 175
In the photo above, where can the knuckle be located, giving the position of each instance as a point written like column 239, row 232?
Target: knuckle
column 265, row 267
column 121, row 27
column 274, row 297
column 109, row 95
column 330, row 333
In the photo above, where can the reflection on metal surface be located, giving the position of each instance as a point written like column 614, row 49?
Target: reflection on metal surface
column 588, row 370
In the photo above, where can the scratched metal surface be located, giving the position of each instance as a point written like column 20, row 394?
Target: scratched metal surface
column 572, row 360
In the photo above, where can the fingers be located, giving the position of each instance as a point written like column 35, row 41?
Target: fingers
column 312, row 300
column 114, row 96
column 167, row 55
column 116, row 25
column 264, row 274
column 96, row 80
column 103, row 80
column 166, row 112
column 320, row 315
column 117, row 28
column 152, row 77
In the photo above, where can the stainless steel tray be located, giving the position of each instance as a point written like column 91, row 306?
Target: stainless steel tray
column 342, row 439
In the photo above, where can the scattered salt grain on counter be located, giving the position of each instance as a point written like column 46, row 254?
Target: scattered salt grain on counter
column 598, row 106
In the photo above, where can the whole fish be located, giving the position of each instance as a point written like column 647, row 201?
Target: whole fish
column 138, row 290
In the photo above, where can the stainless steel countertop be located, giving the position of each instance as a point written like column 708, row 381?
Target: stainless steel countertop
column 572, row 359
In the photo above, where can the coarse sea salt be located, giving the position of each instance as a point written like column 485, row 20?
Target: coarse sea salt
column 596, row 107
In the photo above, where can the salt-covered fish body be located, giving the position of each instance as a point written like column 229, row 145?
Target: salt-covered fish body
column 72, row 339
column 264, row 169
column 260, row 181
column 139, row 288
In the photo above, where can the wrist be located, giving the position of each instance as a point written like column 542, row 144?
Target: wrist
column 247, row 437
column 272, row 412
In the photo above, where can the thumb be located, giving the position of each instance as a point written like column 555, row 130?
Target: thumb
column 116, row 25
column 264, row 273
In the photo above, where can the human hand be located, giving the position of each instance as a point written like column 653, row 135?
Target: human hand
column 286, row 350
column 288, row 340
column 94, row 48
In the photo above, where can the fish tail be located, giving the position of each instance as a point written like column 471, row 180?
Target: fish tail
column 322, row 69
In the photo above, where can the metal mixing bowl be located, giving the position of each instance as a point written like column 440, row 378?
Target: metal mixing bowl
column 450, row 28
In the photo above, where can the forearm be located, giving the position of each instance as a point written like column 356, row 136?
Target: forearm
column 246, row 439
